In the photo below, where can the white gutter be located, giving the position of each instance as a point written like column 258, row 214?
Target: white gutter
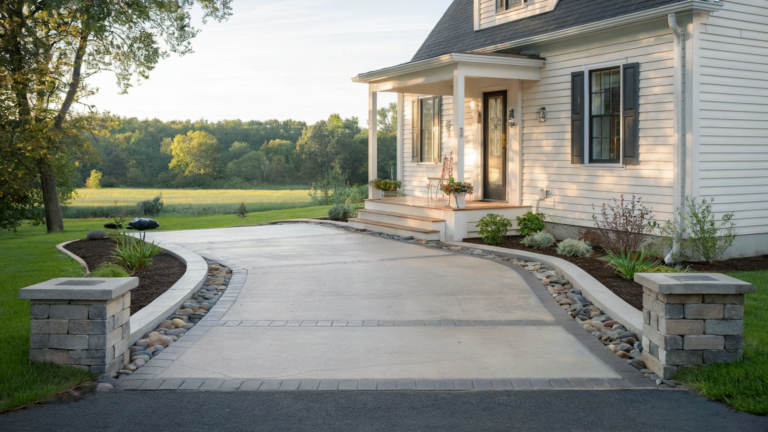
column 448, row 59
column 700, row 5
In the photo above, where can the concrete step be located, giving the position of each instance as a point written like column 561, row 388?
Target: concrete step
column 416, row 221
column 403, row 208
column 395, row 229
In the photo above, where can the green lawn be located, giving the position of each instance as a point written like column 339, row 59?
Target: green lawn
column 28, row 257
column 744, row 384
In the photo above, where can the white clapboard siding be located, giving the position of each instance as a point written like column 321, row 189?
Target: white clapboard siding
column 489, row 17
column 415, row 174
column 575, row 192
column 733, row 143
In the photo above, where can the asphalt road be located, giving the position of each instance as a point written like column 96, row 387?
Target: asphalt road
column 618, row 410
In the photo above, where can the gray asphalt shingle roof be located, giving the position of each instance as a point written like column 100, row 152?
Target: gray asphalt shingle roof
column 455, row 31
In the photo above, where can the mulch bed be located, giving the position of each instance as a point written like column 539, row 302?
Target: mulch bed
column 629, row 291
column 153, row 280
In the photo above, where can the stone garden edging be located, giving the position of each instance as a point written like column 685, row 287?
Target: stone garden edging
column 590, row 287
column 153, row 314
column 80, row 261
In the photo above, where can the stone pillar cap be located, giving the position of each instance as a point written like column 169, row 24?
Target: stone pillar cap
column 693, row 283
column 79, row 289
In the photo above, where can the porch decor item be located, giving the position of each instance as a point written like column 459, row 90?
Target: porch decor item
column 388, row 187
column 458, row 190
column 436, row 183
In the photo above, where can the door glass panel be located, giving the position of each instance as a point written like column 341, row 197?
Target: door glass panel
column 427, row 120
column 495, row 148
column 496, row 123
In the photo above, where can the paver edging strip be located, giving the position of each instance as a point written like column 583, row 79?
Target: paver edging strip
column 154, row 313
column 590, row 287
column 80, row 261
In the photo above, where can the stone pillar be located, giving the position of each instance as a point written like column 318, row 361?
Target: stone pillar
column 80, row 322
column 691, row 319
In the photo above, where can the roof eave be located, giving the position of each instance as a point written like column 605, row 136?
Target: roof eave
column 444, row 60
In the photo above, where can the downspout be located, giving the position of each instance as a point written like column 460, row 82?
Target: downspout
column 678, row 127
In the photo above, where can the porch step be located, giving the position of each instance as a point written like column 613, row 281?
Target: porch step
column 415, row 221
column 394, row 229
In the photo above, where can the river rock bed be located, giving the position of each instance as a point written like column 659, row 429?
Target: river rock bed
column 610, row 332
column 177, row 324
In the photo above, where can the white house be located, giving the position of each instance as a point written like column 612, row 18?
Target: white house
column 567, row 104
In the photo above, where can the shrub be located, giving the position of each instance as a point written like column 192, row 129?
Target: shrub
column 623, row 226
column 133, row 253
column 702, row 236
column 108, row 270
column 573, row 247
column 530, row 223
column 341, row 212
column 629, row 263
column 241, row 211
column 539, row 240
column 493, row 228
column 151, row 207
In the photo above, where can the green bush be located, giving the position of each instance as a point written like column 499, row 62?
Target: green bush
column 341, row 212
column 108, row 270
column 151, row 207
column 493, row 228
column 530, row 223
column 539, row 240
column 629, row 263
column 572, row 247
column 133, row 253
column 241, row 211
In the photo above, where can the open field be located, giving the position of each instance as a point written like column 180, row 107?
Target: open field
column 111, row 202
column 28, row 257
column 743, row 384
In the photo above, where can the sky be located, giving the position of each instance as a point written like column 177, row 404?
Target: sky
column 279, row 59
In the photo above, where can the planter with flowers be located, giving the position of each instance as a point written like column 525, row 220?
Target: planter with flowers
column 459, row 191
column 388, row 188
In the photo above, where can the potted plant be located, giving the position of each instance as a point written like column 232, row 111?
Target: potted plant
column 388, row 187
column 459, row 190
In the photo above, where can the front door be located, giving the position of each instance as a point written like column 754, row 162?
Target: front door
column 495, row 146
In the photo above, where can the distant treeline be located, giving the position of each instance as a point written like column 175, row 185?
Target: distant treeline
column 234, row 154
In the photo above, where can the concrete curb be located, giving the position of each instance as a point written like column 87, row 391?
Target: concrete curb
column 153, row 314
column 590, row 287
column 60, row 247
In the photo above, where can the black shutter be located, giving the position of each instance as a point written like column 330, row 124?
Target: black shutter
column 577, row 117
column 439, row 113
column 415, row 122
column 630, row 113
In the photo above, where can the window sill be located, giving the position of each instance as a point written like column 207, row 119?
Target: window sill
column 604, row 167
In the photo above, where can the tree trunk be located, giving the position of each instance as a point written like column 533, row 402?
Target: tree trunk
column 54, row 220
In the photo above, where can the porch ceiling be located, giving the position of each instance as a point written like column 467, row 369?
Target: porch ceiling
column 436, row 76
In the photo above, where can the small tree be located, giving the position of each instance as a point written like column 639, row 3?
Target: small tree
column 701, row 236
column 94, row 181
column 242, row 211
column 623, row 225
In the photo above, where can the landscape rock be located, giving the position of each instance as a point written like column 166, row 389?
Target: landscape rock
column 98, row 234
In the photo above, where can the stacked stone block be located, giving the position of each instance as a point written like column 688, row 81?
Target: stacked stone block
column 81, row 326
column 691, row 320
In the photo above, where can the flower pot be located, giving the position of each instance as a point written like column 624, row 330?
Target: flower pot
column 459, row 200
column 389, row 194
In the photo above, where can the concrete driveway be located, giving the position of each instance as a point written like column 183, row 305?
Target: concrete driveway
column 323, row 308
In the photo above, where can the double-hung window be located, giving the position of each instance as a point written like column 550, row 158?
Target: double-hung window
column 426, row 129
column 505, row 5
column 604, row 115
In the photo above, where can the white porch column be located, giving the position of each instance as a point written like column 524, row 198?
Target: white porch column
column 400, row 134
column 458, row 120
column 372, row 144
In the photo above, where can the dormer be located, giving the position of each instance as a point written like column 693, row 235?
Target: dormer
column 489, row 13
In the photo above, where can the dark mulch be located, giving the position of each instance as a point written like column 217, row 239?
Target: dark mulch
column 153, row 280
column 630, row 291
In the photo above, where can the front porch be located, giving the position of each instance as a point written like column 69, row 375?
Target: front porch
column 430, row 219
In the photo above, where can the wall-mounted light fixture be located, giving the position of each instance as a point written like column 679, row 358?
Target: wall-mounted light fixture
column 512, row 118
column 542, row 114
